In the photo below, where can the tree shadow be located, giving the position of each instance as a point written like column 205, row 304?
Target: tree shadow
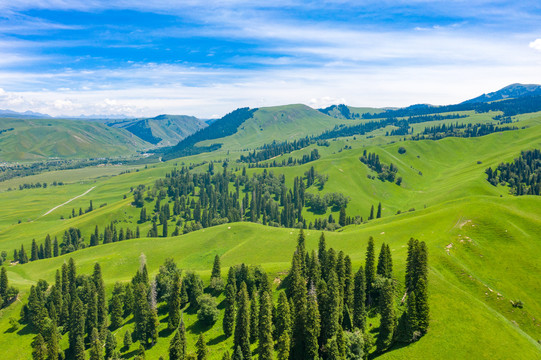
column 165, row 332
column 130, row 354
column 217, row 340
column 26, row 330
column 163, row 309
column 198, row 327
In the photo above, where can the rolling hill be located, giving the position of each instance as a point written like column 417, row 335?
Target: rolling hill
column 509, row 92
column 38, row 139
column 162, row 130
column 483, row 242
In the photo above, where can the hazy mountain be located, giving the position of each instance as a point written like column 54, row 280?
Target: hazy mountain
column 508, row 92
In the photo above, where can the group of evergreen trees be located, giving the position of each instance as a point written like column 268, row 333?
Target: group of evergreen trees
column 320, row 314
column 385, row 172
column 523, row 175
column 8, row 294
column 275, row 149
column 193, row 201
column 459, row 130
column 314, row 155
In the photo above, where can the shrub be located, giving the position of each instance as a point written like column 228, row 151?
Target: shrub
column 208, row 311
column 401, row 150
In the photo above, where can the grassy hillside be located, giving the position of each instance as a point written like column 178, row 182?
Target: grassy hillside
column 37, row 139
column 483, row 243
column 162, row 130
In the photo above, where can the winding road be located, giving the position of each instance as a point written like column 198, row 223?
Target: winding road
column 67, row 202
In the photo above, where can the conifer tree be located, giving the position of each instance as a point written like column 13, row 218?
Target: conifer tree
column 55, row 247
column 266, row 343
column 322, row 251
column 116, row 306
column 96, row 347
column 331, row 348
column 39, row 350
column 384, row 262
column 226, row 356
column 141, row 312
column 175, row 347
column 164, row 229
column 110, row 345
column 175, row 303
column 242, row 327
column 301, row 250
column 388, row 318
column 298, row 296
column 341, row 343
column 312, row 327
column 23, row 258
column 371, row 213
column 76, row 328
column 4, row 284
column 359, row 300
column 127, row 340
column 53, row 336
column 48, row 247
column 332, row 307
column 229, row 315
column 348, row 282
column 34, row 253
column 100, row 291
column 36, row 308
column 370, row 273
column 411, row 315
column 378, row 215
column 237, row 355
column 283, row 317
column 216, row 268
column 254, row 319
column 423, row 311
column 201, row 347
column 283, row 346
column 411, row 264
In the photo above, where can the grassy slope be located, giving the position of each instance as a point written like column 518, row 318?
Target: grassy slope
column 469, row 320
column 35, row 139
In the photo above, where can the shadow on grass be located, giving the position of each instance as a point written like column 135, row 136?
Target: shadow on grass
column 130, row 354
column 198, row 327
column 165, row 332
column 26, row 330
column 222, row 304
column 217, row 340
column 163, row 309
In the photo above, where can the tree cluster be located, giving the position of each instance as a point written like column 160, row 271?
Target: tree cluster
column 385, row 172
column 523, row 175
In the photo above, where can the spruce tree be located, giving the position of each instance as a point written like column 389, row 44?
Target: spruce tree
column 100, row 291
column 226, row 356
column 176, row 347
column 39, row 350
column 34, row 253
column 127, row 340
column 4, row 284
column 216, row 268
column 298, row 295
column 411, row 316
column 359, row 300
column 332, row 307
column 423, row 310
column 283, row 317
column 48, row 252
column 342, row 217
column 242, row 327
column 110, row 345
column 266, row 343
column 388, row 318
column 283, row 347
column 164, row 229
column 370, row 273
column 141, row 312
column 116, row 306
column 254, row 319
column 201, row 347
column 312, row 326
column 229, row 315
column 237, row 355
column 411, row 264
column 378, row 215
column 55, row 247
column 322, row 251
column 76, row 328
column 96, row 347
column 348, row 282
column 53, row 336
column 128, row 300
column 371, row 213
column 383, row 262
column 174, row 303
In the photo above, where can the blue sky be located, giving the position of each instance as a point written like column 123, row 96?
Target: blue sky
column 143, row 58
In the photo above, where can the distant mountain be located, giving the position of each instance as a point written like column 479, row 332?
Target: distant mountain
column 23, row 115
column 162, row 130
column 39, row 139
column 512, row 91
column 347, row 112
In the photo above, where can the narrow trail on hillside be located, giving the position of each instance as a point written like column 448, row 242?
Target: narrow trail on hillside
column 67, row 202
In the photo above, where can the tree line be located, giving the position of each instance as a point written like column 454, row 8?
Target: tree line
column 522, row 175
column 460, row 130
column 385, row 172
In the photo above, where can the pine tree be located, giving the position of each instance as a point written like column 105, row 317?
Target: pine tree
column 216, row 268
column 4, row 284
column 378, row 215
column 371, row 213
column 254, row 319
column 298, row 295
column 164, row 230
column 348, row 282
column 174, row 303
column 110, row 345
column 141, row 312
column 226, row 356
column 229, row 315
column 411, row 264
column 312, row 326
column 331, row 347
column 332, row 307
column 266, row 343
column 322, row 251
column 411, row 315
column 423, row 310
column 127, row 340
column 177, row 346
column 100, row 291
column 383, row 262
column 242, row 327
column 23, row 258
column 36, row 308
column 388, row 318
column 370, row 273
column 48, row 247
column 359, row 300
column 342, row 217
column 116, row 306
column 76, row 328
column 34, row 253
column 237, row 355
column 96, row 347
column 55, row 247
column 283, row 317
column 201, row 347
column 39, row 350
column 128, row 300
column 341, row 343
column 53, row 336
column 283, row 346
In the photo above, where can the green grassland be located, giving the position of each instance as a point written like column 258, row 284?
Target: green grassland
column 37, row 139
column 484, row 245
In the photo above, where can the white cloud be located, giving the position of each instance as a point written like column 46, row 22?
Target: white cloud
column 536, row 45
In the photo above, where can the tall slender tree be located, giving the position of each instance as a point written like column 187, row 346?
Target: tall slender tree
column 388, row 318
column 370, row 273
column 359, row 300
column 174, row 303
column 312, row 326
column 266, row 351
column 242, row 327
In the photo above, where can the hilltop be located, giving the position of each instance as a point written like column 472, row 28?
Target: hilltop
column 509, row 92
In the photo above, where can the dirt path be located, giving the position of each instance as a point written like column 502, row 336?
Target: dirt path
column 67, row 202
